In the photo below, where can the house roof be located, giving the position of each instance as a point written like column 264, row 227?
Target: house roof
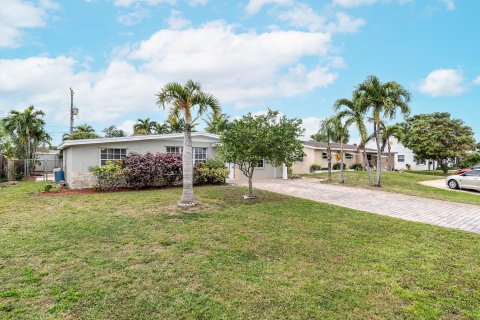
column 68, row 143
column 334, row 146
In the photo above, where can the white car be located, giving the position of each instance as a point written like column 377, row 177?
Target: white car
column 467, row 180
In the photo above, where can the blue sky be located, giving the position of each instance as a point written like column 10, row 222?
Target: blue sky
column 294, row 56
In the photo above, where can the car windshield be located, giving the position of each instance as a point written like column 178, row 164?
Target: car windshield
column 473, row 173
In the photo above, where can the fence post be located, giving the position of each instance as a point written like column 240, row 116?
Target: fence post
column 11, row 170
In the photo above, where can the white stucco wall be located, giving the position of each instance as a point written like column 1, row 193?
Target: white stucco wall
column 400, row 149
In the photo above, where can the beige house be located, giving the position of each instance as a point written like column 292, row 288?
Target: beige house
column 316, row 153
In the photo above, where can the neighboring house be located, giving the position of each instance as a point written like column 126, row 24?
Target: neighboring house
column 405, row 158
column 316, row 153
column 47, row 160
column 80, row 155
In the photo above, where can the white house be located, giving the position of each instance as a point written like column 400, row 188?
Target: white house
column 80, row 155
column 405, row 158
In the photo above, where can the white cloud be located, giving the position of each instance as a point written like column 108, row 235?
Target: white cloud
column 346, row 23
column 176, row 21
column 477, row 80
column 311, row 125
column 137, row 15
column 197, row 3
column 127, row 126
column 128, row 3
column 18, row 15
column 353, row 3
column 241, row 68
column 450, row 4
column 443, row 82
column 254, row 6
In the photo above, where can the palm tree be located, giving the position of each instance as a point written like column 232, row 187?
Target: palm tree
column 386, row 133
column 182, row 100
column 161, row 128
column 328, row 134
column 84, row 131
column 342, row 135
column 27, row 130
column 217, row 124
column 353, row 111
column 143, row 127
column 383, row 99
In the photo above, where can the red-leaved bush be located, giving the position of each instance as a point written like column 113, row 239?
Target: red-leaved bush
column 151, row 170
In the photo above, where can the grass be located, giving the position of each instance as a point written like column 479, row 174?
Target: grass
column 135, row 255
column 406, row 183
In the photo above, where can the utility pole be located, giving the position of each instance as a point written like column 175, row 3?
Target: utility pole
column 71, row 110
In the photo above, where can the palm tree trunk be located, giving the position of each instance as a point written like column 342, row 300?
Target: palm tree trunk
column 342, row 180
column 367, row 164
column 390, row 163
column 329, row 160
column 187, row 160
column 379, row 155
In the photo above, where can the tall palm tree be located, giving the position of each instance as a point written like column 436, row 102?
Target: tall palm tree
column 182, row 99
column 328, row 134
column 342, row 136
column 217, row 124
column 386, row 133
column 353, row 111
column 27, row 130
column 383, row 99
column 83, row 131
column 143, row 127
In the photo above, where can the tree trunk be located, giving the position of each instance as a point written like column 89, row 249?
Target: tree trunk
column 329, row 160
column 367, row 165
column 342, row 180
column 250, row 187
column 390, row 167
column 187, row 160
column 379, row 155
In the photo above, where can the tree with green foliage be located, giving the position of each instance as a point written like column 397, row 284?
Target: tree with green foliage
column 182, row 101
column 113, row 132
column 217, row 124
column 144, row 127
column 26, row 131
column 267, row 137
column 384, row 100
column 84, row 131
column 439, row 137
column 354, row 112
column 161, row 128
column 471, row 160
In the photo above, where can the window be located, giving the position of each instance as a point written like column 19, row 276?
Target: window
column 107, row 154
column 401, row 158
column 199, row 155
column 348, row 156
column 174, row 150
column 260, row 164
column 473, row 173
column 421, row 162
column 324, row 155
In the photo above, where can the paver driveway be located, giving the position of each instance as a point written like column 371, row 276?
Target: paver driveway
column 437, row 212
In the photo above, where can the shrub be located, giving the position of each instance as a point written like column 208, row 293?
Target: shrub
column 357, row 167
column 150, row 170
column 204, row 175
column 471, row 160
column 210, row 172
column 47, row 188
column 315, row 167
column 336, row 166
column 109, row 177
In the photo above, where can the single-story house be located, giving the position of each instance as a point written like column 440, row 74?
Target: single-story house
column 316, row 153
column 80, row 155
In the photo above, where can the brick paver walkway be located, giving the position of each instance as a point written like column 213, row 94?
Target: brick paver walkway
column 437, row 212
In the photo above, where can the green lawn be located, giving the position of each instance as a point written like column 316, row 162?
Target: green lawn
column 407, row 183
column 134, row 255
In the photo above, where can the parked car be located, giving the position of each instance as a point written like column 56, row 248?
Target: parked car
column 476, row 167
column 466, row 180
column 463, row 170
